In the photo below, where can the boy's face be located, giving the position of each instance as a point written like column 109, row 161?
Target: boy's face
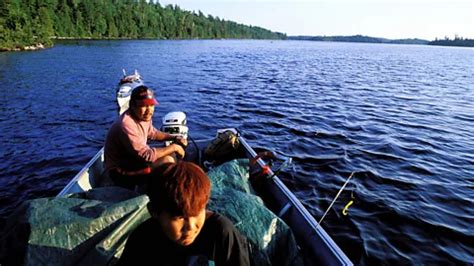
column 182, row 230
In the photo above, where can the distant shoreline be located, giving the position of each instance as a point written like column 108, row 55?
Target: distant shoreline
column 40, row 46
column 458, row 42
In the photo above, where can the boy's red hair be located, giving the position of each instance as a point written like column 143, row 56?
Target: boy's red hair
column 181, row 189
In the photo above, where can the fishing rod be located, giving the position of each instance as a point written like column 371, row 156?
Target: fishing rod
column 335, row 198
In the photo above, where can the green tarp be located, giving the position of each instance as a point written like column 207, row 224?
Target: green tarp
column 91, row 228
column 72, row 231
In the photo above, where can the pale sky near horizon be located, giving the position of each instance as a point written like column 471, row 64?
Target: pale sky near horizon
column 393, row 19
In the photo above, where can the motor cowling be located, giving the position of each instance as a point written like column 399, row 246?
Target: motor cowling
column 174, row 123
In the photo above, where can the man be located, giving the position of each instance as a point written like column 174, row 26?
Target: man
column 128, row 157
column 181, row 231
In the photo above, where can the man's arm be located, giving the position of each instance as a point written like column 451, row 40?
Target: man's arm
column 169, row 150
column 160, row 136
column 137, row 144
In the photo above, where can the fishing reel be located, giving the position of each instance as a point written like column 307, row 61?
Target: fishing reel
column 174, row 123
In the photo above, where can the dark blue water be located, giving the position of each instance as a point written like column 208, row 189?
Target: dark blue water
column 401, row 117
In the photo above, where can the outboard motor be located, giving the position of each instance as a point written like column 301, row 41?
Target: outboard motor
column 174, row 123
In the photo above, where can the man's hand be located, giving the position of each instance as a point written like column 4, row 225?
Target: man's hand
column 181, row 141
column 178, row 150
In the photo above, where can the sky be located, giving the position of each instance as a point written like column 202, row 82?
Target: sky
column 392, row 19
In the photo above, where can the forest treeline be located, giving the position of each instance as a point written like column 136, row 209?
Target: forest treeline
column 457, row 41
column 357, row 38
column 30, row 22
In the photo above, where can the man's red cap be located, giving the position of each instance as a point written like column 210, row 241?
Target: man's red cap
column 142, row 96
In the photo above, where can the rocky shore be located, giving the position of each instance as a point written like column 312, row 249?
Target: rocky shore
column 33, row 47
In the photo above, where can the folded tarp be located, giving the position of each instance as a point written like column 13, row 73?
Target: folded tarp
column 74, row 230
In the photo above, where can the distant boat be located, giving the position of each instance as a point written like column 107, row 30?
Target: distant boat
column 125, row 88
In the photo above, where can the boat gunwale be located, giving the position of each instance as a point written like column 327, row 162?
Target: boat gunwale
column 77, row 178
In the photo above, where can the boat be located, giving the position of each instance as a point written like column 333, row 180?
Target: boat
column 77, row 228
column 125, row 87
column 317, row 247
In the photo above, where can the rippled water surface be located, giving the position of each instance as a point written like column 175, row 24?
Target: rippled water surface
column 400, row 117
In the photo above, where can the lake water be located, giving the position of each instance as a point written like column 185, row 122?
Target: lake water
column 401, row 117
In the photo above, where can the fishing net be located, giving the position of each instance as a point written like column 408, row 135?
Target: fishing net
column 270, row 239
